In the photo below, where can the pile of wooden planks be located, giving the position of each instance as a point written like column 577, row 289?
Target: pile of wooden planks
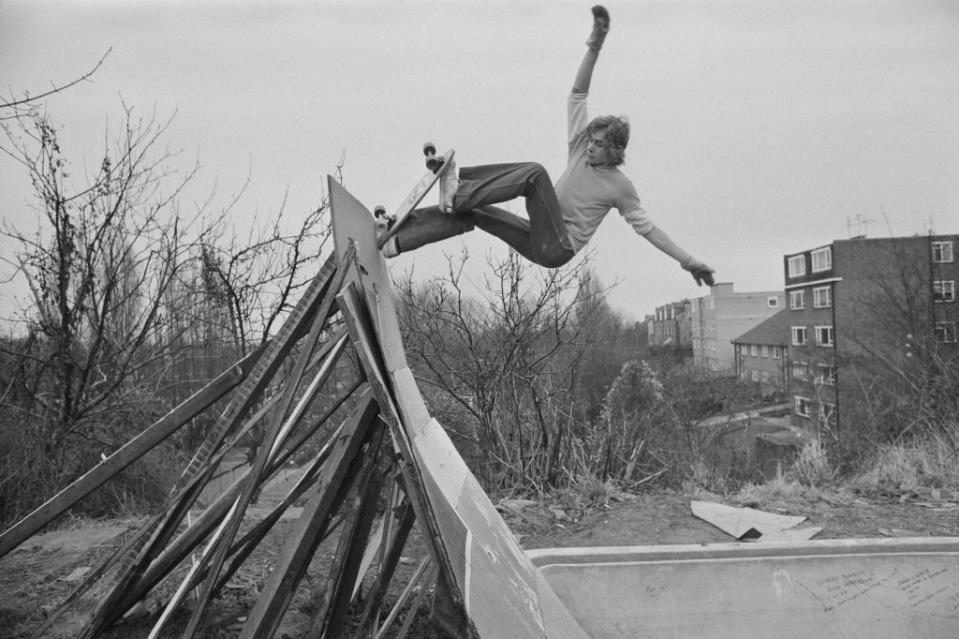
column 332, row 386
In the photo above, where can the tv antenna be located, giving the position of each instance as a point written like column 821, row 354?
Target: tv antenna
column 861, row 224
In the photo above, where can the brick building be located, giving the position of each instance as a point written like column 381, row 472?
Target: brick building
column 762, row 354
column 864, row 300
column 723, row 315
column 670, row 326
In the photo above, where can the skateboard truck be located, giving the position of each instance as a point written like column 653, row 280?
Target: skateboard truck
column 433, row 162
column 383, row 218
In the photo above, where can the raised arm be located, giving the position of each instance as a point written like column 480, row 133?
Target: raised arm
column 584, row 74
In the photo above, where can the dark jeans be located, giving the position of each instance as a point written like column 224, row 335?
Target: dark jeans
column 541, row 239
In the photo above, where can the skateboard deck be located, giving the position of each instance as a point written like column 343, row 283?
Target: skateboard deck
column 501, row 592
column 438, row 166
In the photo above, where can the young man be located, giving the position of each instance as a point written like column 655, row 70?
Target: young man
column 563, row 218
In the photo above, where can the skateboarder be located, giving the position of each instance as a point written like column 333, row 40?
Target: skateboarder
column 562, row 218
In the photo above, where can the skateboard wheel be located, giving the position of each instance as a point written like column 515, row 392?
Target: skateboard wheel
column 434, row 164
column 379, row 211
column 429, row 149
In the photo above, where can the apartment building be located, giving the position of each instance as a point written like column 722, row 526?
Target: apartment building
column 762, row 354
column 863, row 298
column 722, row 316
column 670, row 326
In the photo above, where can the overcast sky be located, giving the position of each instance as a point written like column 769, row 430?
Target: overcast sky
column 760, row 127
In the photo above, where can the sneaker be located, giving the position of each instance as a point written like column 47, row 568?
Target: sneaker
column 449, row 184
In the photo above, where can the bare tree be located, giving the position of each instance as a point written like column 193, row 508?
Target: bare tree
column 16, row 107
column 900, row 377
column 254, row 278
column 502, row 353
column 98, row 268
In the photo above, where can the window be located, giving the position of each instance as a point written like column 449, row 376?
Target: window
column 800, row 370
column 942, row 252
column 799, row 335
column 755, row 376
column 764, row 351
column 797, row 265
column 826, row 374
column 765, row 377
column 772, row 301
column 754, row 350
column 797, row 300
column 944, row 291
column 945, row 332
column 801, row 405
column 777, row 352
column 822, row 259
column 824, row 335
column 822, row 297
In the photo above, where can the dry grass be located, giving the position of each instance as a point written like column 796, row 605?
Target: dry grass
column 813, row 467
column 927, row 467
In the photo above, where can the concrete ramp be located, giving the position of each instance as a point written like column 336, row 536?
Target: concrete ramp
column 854, row 588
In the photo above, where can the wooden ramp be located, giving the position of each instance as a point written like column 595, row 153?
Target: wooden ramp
column 490, row 577
column 332, row 388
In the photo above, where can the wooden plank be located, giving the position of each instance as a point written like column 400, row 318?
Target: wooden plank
column 268, row 448
column 294, row 558
column 180, row 547
column 354, row 222
column 94, row 576
column 404, row 596
column 345, row 569
column 160, row 531
column 414, row 607
column 128, row 453
column 405, row 518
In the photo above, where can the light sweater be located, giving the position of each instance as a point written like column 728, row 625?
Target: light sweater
column 587, row 193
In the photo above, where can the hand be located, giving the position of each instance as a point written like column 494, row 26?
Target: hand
column 600, row 28
column 700, row 271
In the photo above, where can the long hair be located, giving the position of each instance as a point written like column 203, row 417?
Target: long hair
column 617, row 135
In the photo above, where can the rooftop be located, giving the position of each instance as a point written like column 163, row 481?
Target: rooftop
column 772, row 331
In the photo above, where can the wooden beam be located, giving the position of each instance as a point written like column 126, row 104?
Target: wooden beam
column 161, row 531
column 128, row 453
column 294, row 558
column 406, row 517
column 349, row 555
column 189, row 539
column 404, row 596
column 271, row 440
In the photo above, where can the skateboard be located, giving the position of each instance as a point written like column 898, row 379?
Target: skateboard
column 437, row 166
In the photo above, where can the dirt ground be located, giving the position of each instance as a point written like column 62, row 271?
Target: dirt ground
column 36, row 577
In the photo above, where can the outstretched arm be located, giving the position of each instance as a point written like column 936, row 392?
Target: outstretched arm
column 699, row 270
column 584, row 74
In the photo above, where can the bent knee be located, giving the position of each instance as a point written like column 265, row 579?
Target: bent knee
column 536, row 169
